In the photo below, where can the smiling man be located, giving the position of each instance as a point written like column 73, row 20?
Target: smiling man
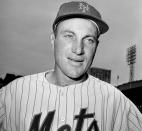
column 75, row 44
column 68, row 98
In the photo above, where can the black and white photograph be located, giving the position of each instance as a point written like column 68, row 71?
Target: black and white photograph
column 70, row 65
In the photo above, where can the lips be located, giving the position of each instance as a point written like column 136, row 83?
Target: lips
column 78, row 61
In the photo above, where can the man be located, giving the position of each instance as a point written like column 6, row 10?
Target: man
column 68, row 98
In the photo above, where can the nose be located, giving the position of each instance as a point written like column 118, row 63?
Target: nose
column 78, row 47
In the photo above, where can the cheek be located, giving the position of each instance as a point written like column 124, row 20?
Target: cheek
column 58, row 47
column 90, row 53
column 62, row 46
column 61, row 50
column 58, row 53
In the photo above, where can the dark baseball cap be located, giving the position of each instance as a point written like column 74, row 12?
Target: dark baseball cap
column 76, row 9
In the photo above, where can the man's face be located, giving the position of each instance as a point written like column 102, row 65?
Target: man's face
column 75, row 45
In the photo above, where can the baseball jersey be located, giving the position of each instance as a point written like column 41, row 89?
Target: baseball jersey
column 31, row 103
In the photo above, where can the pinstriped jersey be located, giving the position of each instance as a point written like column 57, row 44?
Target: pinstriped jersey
column 31, row 103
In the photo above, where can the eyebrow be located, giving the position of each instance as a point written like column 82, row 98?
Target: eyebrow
column 67, row 31
column 90, row 35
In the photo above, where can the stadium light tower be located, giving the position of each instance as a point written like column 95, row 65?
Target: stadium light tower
column 131, row 60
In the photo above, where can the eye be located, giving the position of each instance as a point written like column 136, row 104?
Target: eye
column 89, row 40
column 68, row 35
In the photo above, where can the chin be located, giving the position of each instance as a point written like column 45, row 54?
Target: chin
column 76, row 75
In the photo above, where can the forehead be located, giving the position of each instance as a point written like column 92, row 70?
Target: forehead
column 78, row 24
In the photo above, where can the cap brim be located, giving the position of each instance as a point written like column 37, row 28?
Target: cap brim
column 103, row 27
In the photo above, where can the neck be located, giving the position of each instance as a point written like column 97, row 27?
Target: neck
column 61, row 80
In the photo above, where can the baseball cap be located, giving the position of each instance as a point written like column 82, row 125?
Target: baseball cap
column 80, row 9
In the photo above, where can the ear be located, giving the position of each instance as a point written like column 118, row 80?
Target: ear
column 52, row 38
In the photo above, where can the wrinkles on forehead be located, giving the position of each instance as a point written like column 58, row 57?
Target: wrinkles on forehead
column 97, row 33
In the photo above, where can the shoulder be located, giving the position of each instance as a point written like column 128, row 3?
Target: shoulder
column 104, row 86
column 107, row 90
column 113, row 94
column 23, row 82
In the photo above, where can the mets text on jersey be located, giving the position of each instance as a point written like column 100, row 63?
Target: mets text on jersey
column 49, row 118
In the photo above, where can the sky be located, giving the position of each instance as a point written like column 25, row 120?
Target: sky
column 26, row 25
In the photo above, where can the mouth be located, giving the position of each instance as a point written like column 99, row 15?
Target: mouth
column 76, row 61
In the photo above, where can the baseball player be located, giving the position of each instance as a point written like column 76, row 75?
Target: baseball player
column 67, row 98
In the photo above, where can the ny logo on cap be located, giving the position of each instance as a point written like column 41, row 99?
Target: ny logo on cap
column 84, row 7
